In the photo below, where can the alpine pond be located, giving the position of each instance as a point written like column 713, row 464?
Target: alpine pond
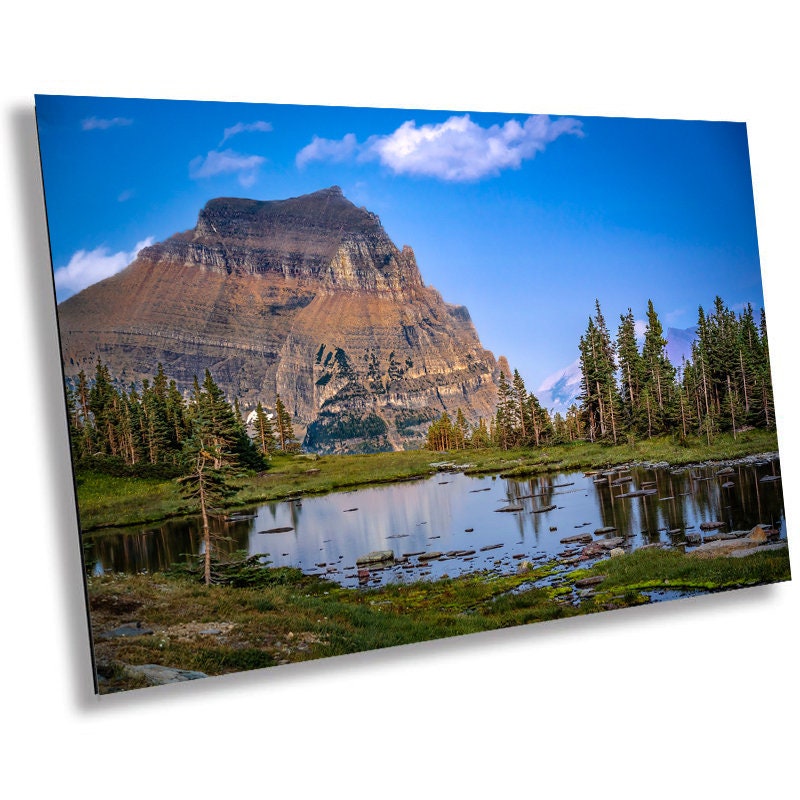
column 451, row 523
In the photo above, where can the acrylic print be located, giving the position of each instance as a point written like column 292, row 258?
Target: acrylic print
column 288, row 445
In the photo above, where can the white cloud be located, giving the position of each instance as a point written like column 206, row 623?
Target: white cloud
column 455, row 150
column 125, row 195
column 640, row 328
column 336, row 150
column 246, row 127
column 99, row 124
column 221, row 162
column 89, row 266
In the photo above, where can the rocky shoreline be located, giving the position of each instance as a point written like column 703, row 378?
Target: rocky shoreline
column 756, row 459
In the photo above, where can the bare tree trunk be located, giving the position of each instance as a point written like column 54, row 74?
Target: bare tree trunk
column 613, row 423
column 206, row 535
column 744, row 383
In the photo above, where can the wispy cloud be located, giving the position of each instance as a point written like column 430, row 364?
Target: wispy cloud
column 246, row 127
column 100, row 124
column 125, row 195
column 89, row 266
column 223, row 162
column 336, row 150
column 455, row 150
column 640, row 328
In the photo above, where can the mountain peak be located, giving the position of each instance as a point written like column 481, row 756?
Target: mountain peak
column 306, row 297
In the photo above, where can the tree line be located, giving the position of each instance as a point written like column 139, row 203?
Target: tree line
column 519, row 421
column 145, row 427
column 630, row 392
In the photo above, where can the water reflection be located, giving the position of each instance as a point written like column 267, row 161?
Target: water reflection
column 459, row 517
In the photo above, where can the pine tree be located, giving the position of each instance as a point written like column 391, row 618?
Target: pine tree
column 460, row 430
column 209, row 466
column 104, row 408
column 631, row 373
column 480, row 436
column 283, row 421
column 522, row 421
column 440, row 434
column 600, row 399
column 505, row 414
column 264, row 432
column 658, row 375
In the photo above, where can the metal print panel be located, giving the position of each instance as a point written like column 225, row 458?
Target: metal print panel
column 288, row 445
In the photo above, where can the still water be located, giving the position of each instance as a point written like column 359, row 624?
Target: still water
column 457, row 516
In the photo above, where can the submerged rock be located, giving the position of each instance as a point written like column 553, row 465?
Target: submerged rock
column 581, row 537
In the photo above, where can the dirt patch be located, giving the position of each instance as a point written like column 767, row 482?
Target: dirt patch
column 189, row 631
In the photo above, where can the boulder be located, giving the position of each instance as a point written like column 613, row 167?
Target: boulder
column 758, row 535
column 610, row 544
column 592, row 580
column 593, row 550
column 156, row 675
column 376, row 556
column 616, row 552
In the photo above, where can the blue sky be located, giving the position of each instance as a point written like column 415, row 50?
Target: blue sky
column 523, row 218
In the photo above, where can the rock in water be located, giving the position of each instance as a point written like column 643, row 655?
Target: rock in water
column 375, row 557
column 307, row 297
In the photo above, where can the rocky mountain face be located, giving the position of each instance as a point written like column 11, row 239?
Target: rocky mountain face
column 307, row 298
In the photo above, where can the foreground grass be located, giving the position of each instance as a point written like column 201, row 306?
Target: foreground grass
column 287, row 617
column 106, row 501
column 652, row 570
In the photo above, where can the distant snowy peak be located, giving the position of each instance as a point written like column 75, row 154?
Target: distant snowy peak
column 561, row 389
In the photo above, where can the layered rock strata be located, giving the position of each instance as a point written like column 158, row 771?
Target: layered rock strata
column 307, row 298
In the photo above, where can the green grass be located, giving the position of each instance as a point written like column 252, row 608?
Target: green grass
column 649, row 570
column 106, row 501
column 300, row 618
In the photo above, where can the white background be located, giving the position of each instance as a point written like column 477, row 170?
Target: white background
column 688, row 699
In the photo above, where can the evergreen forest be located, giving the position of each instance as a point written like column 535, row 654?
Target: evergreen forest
column 631, row 391
column 148, row 430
